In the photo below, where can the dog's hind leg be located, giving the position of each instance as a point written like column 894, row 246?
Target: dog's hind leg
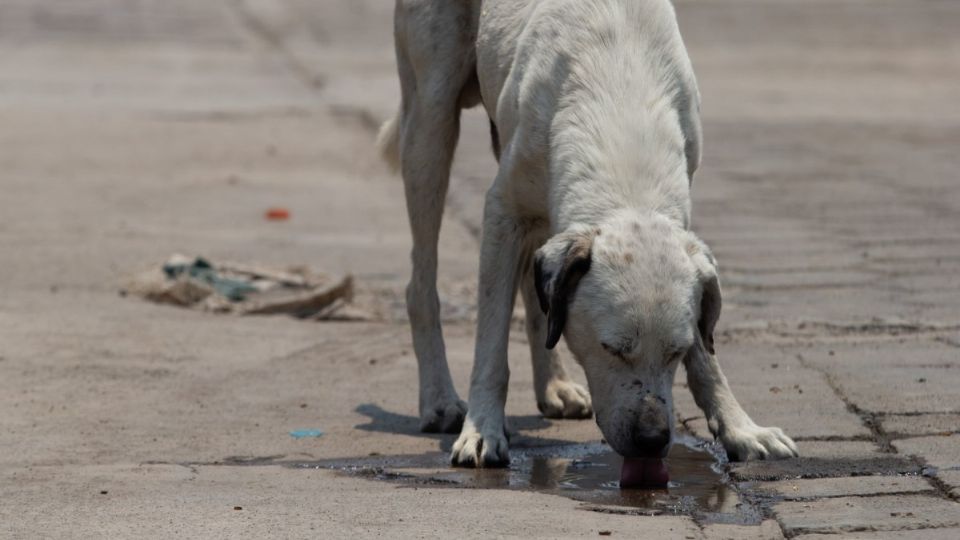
column 435, row 40
column 557, row 395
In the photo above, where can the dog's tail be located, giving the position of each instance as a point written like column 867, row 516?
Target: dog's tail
column 388, row 142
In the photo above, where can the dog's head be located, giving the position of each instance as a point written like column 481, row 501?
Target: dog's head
column 631, row 297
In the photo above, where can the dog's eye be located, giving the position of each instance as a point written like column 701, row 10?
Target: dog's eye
column 674, row 355
column 615, row 351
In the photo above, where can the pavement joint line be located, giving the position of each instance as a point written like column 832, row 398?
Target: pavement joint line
column 731, row 284
column 947, row 341
column 819, row 329
column 808, row 498
column 873, row 422
column 263, row 33
column 474, row 230
column 869, row 419
column 749, row 270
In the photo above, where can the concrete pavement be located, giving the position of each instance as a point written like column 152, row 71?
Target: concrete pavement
column 131, row 130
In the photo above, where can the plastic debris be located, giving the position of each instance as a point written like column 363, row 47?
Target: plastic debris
column 198, row 283
column 304, row 433
column 277, row 214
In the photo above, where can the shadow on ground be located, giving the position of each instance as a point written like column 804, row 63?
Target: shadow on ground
column 383, row 421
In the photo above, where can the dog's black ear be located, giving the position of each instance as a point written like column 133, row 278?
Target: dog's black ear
column 558, row 267
column 710, row 298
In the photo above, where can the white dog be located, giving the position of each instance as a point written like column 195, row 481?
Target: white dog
column 594, row 118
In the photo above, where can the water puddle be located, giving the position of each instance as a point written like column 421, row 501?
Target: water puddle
column 584, row 472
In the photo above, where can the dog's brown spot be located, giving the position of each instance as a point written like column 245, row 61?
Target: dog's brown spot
column 628, row 258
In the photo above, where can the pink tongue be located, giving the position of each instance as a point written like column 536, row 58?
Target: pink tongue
column 643, row 472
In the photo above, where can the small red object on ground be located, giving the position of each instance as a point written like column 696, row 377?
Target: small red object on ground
column 278, row 214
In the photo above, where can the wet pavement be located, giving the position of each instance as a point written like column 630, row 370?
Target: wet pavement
column 587, row 473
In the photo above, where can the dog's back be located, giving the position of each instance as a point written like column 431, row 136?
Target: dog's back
column 599, row 86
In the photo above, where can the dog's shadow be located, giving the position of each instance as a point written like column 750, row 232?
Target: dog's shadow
column 383, row 421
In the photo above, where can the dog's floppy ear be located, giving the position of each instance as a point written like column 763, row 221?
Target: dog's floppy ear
column 557, row 268
column 710, row 299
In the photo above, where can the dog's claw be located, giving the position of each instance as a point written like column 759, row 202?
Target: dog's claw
column 444, row 418
column 565, row 399
column 474, row 449
column 752, row 442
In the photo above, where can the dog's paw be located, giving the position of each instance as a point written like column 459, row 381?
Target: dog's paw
column 751, row 442
column 480, row 447
column 443, row 417
column 565, row 399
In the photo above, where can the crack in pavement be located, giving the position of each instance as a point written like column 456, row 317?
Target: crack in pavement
column 263, row 33
column 822, row 332
column 873, row 421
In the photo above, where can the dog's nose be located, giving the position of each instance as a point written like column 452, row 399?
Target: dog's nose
column 652, row 444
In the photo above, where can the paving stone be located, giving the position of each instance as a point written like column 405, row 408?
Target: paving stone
column 838, row 449
column 952, row 339
column 794, row 279
column 921, row 424
column 882, row 513
column 952, row 480
column 767, row 530
column 842, row 487
column 940, row 452
column 892, row 377
column 926, row 353
column 818, row 467
column 919, row 534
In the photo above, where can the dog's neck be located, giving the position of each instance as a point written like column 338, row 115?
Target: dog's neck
column 617, row 145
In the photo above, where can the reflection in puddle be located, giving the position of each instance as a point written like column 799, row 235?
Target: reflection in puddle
column 583, row 472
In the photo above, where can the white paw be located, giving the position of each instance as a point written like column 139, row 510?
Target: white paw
column 481, row 447
column 564, row 399
column 445, row 416
column 750, row 441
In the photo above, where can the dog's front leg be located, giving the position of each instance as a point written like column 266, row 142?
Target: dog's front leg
column 483, row 441
column 740, row 436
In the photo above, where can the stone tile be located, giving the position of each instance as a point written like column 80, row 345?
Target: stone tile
column 952, row 339
column 883, row 513
column 818, row 467
column 767, row 530
column 940, row 452
column 794, row 279
column 921, row 424
column 892, row 377
column 842, row 487
column 927, row 353
column 919, row 534
column 952, row 480
column 837, row 449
